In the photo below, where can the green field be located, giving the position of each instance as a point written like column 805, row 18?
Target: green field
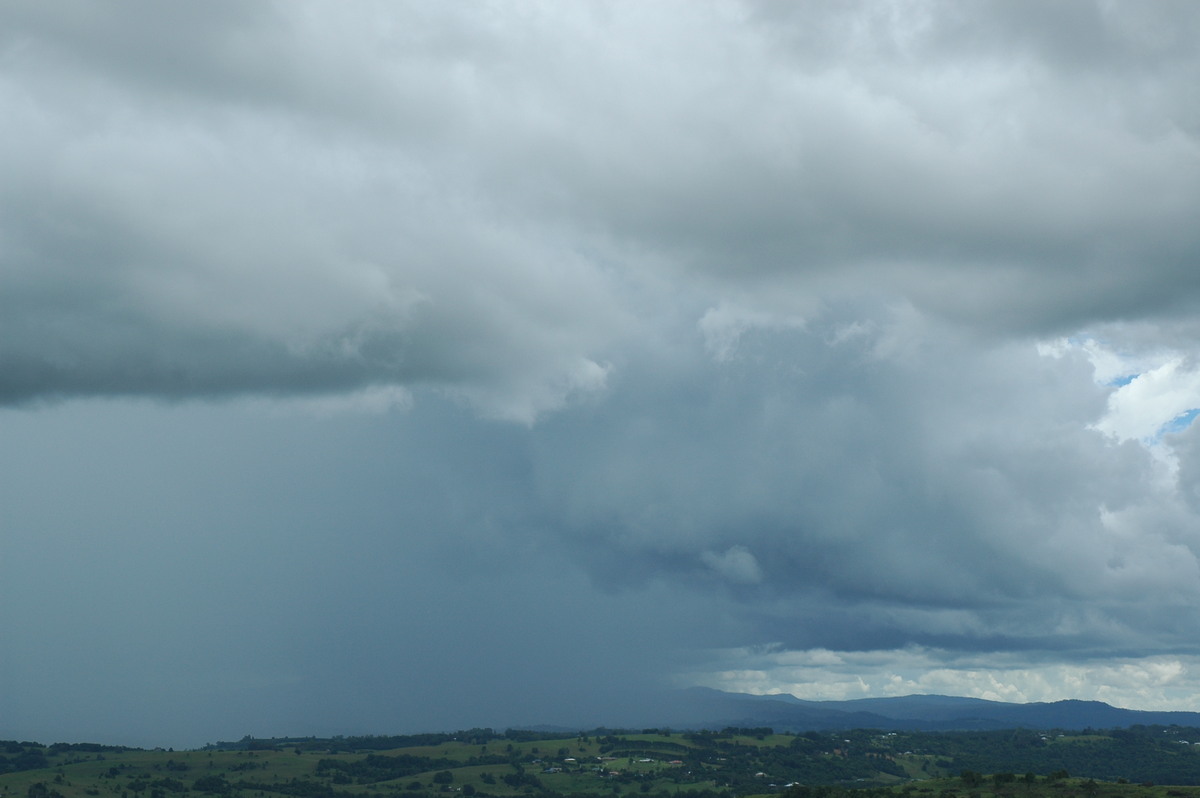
column 655, row 764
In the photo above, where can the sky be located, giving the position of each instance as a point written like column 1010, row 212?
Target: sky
column 383, row 367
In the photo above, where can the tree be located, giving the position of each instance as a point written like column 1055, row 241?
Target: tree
column 209, row 784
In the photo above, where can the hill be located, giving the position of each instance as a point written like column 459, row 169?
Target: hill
column 731, row 763
column 700, row 707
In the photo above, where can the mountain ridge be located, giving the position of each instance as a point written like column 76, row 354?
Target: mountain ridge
column 702, row 707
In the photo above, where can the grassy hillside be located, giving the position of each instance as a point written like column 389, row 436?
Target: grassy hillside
column 483, row 764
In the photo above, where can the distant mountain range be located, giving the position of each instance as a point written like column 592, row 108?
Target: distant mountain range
column 701, row 707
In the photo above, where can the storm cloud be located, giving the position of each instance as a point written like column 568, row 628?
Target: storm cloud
column 404, row 366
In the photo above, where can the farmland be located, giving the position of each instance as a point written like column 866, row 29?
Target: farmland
column 656, row 763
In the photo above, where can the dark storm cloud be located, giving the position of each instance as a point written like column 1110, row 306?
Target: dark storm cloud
column 173, row 583
column 839, row 335
column 154, row 234
column 852, row 478
column 250, row 188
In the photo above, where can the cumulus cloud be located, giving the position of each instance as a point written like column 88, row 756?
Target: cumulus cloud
column 187, row 240
column 724, row 326
column 902, row 485
column 736, row 564
column 1155, row 682
column 1152, row 400
column 862, row 330
column 460, row 200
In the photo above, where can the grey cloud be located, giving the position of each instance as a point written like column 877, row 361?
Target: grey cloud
column 148, row 244
column 460, row 165
column 242, row 571
column 138, row 276
column 763, row 284
column 956, row 480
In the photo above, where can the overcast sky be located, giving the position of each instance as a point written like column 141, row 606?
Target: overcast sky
column 382, row 367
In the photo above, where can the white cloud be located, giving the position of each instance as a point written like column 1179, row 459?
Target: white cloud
column 724, row 326
column 1162, row 682
column 373, row 400
column 736, row 564
column 525, row 400
column 1140, row 409
column 1152, row 391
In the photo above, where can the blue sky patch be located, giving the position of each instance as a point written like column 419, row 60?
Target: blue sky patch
column 1180, row 422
